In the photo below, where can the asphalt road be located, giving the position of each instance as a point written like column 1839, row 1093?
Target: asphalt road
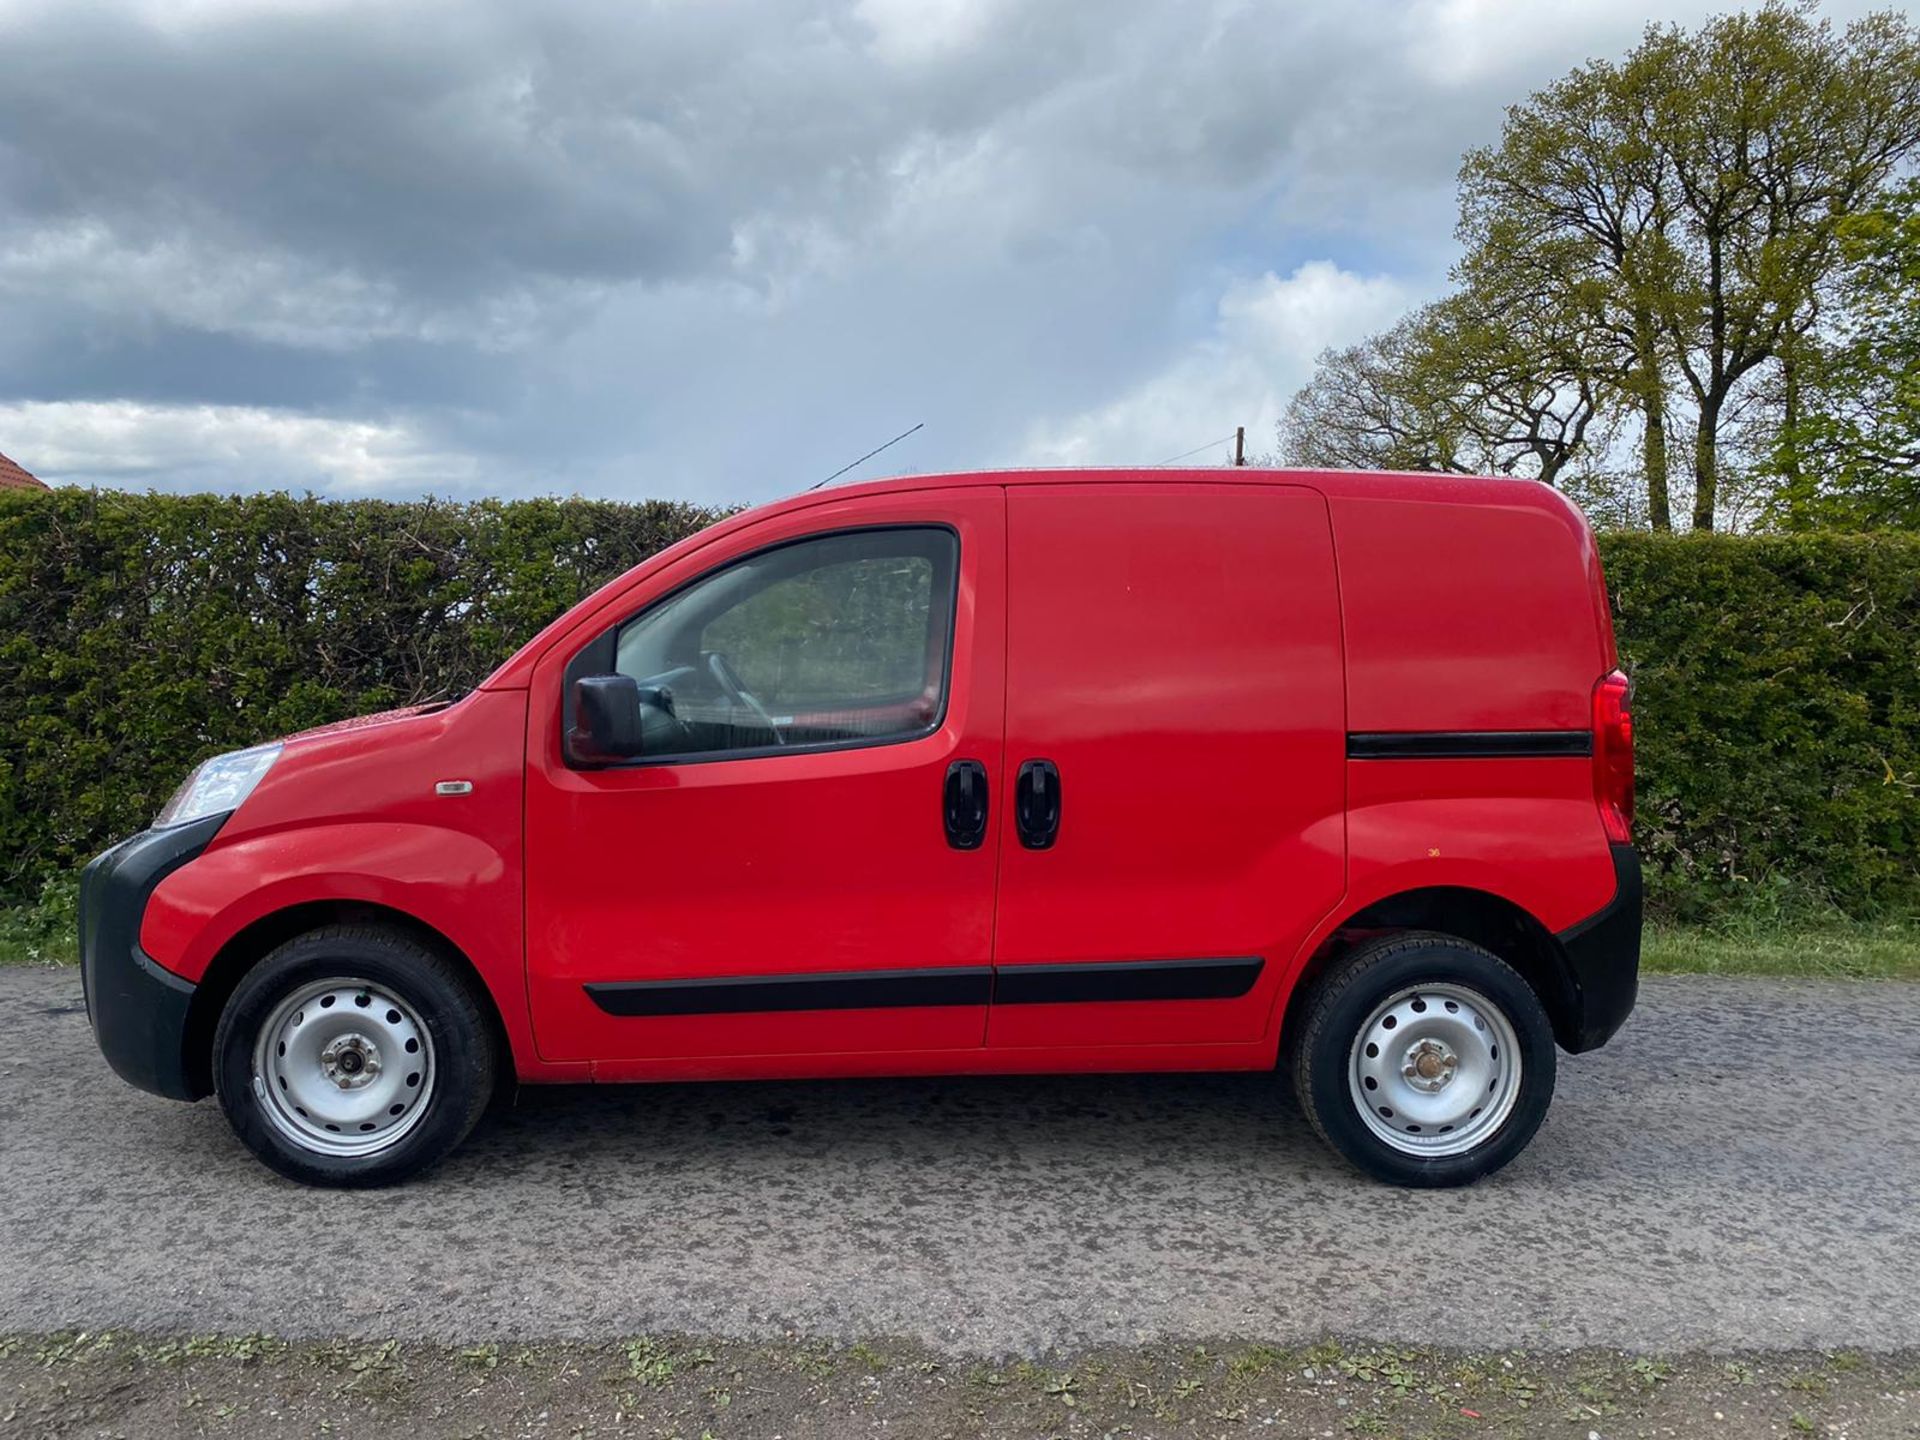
column 1739, row 1169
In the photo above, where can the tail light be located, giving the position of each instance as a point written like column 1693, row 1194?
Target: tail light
column 1613, row 755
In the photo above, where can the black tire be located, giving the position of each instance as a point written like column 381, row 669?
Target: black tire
column 437, row 991
column 1347, row 997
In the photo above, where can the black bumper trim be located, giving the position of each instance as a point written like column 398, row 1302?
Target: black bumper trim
column 1603, row 958
column 138, row 1010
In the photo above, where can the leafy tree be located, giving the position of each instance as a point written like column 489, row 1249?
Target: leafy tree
column 1466, row 385
column 1852, row 457
column 1516, row 354
column 1689, row 201
column 1570, row 204
column 1369, row 407
column 1776, row 128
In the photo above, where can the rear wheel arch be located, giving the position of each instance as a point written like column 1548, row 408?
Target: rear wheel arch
column 1492, row 922
column 254, row 942
column 1388, row 1039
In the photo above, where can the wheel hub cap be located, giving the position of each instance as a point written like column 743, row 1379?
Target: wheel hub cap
column 351, row 1062
column 1430, row 1066
column 1435, row 1070
column 344, row 1067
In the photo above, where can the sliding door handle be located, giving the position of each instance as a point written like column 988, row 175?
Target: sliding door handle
column 1036, row 803
column 964, row 804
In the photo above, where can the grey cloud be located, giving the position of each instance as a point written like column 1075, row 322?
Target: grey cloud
column 647, row 246
column 459, row 151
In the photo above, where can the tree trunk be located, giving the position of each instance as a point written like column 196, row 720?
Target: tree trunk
column 1653, row 450
column 1790, row 419
column 1706, row 464
column 1653, row 411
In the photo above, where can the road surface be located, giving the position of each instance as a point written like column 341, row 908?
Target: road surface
column 1740, row 1168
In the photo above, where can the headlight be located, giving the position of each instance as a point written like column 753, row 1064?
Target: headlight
column 219, row 785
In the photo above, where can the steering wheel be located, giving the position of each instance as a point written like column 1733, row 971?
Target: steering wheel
column 729, row 680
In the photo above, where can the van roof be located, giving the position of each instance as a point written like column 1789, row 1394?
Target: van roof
column 1418, row 485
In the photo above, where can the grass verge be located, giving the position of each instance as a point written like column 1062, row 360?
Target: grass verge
column 1836, row 949
column 46, row 933
column 255, row 1386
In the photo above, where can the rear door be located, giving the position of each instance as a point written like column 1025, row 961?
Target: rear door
column 1174, row 763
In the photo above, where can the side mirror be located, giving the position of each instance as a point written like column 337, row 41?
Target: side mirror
column 606, row 719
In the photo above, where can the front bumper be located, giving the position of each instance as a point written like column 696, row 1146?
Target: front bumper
column 1603, row 958
column 137, row 1009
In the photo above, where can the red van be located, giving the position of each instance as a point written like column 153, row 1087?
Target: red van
column 1019, row 772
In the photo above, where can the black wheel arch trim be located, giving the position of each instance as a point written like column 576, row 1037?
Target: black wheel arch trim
column 1586, row 974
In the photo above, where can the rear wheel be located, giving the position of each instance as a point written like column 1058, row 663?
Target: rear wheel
column 1425, row 1060
column 353, row 1056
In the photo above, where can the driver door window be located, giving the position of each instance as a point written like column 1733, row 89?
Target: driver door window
column 834, row 641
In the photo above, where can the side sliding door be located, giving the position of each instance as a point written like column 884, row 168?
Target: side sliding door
column 1174, row 763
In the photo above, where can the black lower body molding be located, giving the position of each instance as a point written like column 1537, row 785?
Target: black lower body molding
column 1073, row 984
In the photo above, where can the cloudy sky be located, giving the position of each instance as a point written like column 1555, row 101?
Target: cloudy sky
column 715, row 249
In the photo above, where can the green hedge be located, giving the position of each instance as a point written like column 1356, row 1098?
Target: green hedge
column 1778, row 678
column 141, row 633
column 1777, row 717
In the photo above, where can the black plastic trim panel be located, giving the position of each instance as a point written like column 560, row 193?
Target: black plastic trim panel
column 1603, row 954
column 947, row 985
column 138, row 1010
column 1468, row 744
column 760, row 994
column 1141, row 980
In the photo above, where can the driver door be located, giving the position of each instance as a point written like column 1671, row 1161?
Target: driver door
column 774, row 876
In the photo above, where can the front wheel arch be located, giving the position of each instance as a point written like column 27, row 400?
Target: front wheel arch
column 259, row 939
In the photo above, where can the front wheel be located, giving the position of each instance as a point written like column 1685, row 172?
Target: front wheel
column 1425, row 1060
column 353, row 1056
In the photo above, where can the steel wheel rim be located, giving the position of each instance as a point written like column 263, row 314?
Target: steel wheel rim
column 1435, row 1070
column 344, row 1067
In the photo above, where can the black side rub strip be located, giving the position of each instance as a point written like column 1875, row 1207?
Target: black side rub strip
column 1139, row 980
column 1467, row 744
column 760, row 994
column 951, row 985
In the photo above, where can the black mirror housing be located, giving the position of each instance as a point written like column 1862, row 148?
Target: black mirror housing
column 606, row 720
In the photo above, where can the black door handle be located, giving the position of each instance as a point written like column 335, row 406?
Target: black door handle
column 1036, row 803
column 964, row 805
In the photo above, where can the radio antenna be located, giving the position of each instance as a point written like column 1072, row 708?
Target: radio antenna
column 866, row 457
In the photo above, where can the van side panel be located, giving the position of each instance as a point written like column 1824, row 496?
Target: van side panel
column 1524, row 829
column 1468, row 617
column 1466, row 622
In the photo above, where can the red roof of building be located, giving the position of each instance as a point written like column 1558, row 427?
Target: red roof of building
column 12, row 477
